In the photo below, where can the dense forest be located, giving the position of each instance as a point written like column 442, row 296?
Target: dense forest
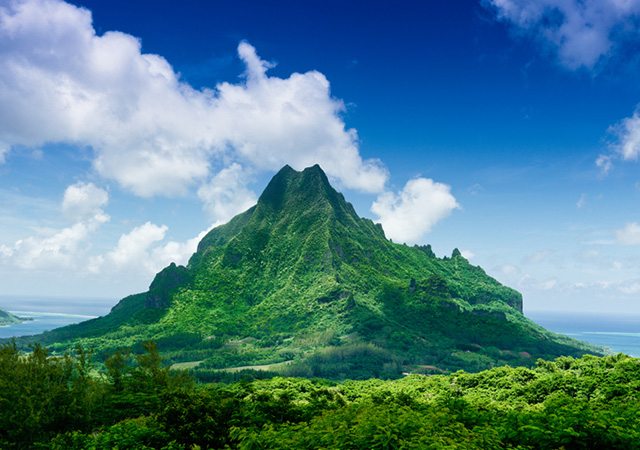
column 136, row 402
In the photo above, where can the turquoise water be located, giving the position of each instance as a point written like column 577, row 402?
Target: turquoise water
column 49, row 313
column 41, row 322
column 619, row 332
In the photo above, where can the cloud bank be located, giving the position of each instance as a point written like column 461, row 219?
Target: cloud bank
column 64, row 248
column 152, row 133
column 141, row 252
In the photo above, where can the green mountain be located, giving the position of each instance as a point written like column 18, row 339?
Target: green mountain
column 300, row 278
column 6, row 318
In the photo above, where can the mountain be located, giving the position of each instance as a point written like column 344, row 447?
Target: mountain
column 6, row 318
column 301, row 278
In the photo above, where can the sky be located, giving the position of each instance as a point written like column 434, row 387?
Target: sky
column 509, row 129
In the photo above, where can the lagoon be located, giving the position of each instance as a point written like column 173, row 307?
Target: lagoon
column 49, row 313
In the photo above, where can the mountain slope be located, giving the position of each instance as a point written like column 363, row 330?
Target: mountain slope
column 301, row 277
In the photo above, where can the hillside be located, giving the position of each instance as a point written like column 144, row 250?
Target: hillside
column 301, row 278
column 6, row 318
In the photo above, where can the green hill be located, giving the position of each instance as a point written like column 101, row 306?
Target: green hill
column 6, row 318
column 300, row 278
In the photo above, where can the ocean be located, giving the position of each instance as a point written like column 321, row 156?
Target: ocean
column 49, row 313
column 619, row 332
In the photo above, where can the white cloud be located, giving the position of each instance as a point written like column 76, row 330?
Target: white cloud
column 152, row 133
column 226, row 194
column 132, row 247
column 625, row 143
column 84, row 201
column 407, row 216
column 142, row 252
column 581, row 32
column 49, row 249
column 605, row 163
column 63, row 248
column 629, row 235
column 467, row 254
column 177, row 252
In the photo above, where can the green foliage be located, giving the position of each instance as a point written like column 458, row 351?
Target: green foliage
column 41, row 395
column 61, row 403
column 7, row 318
column 357, row 362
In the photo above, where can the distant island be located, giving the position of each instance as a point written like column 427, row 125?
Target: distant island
column 6, row 318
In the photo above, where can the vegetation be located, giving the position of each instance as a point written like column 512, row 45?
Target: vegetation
column 7, row 318
column 301, row 278
column 138, row 403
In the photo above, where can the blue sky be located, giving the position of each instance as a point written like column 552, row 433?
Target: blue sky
column 505, row 128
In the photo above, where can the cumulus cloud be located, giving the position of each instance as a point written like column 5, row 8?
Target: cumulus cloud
column 132, row 247
column 49, row 249
column 62, row 248
column 407, row 216
column 581, row 32
column 625, row 143
column 141, row 251
column 629, row 235
column 84, row 201
column 151, row 132
column 226, row 194
column 177, row 252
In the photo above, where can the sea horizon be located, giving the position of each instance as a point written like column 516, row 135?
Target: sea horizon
column 620, row 332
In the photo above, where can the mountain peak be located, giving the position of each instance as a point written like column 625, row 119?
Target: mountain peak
column 303, row 190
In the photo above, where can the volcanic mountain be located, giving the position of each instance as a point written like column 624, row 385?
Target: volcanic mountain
column 301, row 278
